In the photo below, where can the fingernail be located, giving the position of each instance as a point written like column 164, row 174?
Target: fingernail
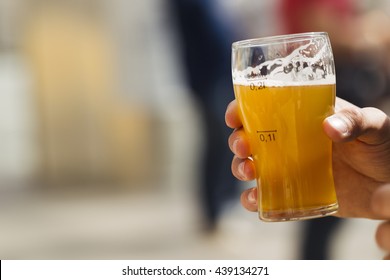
column 339, row 124
column 241, row 169
column 251, row 197
column 235, row 143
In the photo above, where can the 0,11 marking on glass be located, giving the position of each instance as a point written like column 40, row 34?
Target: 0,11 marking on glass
column 267, row 135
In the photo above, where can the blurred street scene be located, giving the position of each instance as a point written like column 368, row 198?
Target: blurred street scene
column 104, row 137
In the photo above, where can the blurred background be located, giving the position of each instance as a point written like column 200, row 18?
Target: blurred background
column 112, row 135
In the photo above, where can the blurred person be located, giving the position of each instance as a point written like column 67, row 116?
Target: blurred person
column 361, row 58
column 361, row 153
column 362, row 78
column 205, row 38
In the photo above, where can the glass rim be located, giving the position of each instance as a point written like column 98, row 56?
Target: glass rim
column 295, row 37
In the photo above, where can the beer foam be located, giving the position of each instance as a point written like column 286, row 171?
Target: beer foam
column 299, row 68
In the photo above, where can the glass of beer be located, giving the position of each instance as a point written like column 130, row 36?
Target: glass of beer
column 285, row 88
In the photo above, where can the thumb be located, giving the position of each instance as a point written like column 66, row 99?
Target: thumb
column 368, row 125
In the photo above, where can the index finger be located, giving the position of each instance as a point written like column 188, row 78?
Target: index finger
column 232, row 117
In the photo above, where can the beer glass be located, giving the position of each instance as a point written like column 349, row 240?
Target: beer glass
column 285, row 88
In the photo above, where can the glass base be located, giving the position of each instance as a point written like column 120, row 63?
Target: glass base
column 298, row 214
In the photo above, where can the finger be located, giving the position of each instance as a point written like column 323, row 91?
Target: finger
column 239, row 143
column 380, row 202
column 369, row 125
column 243, row 169
column 382, row 235
column 232, row 117
column 249, row 199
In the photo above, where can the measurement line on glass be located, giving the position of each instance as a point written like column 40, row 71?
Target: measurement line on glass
column 265, row 131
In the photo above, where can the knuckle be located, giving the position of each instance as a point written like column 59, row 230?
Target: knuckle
column 354, row 116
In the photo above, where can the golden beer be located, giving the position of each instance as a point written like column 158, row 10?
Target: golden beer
column 292, row 154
